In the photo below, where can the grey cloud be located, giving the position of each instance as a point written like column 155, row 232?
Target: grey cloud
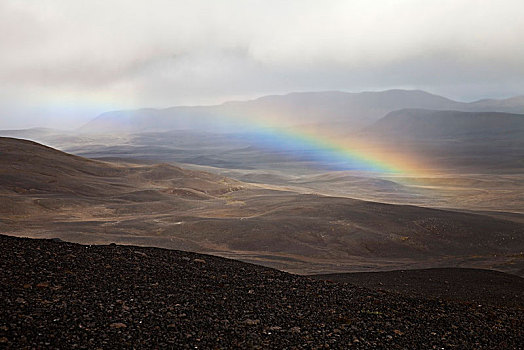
column 160, row 53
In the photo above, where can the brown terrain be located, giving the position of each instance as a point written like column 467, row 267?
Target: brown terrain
column 46, row 193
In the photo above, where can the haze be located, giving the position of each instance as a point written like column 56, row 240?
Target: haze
column 65, row 62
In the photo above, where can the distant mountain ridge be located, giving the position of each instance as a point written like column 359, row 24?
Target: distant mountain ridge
column 353, row 111
column 423, row 123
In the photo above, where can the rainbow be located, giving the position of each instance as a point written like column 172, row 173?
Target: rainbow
column 337, row 152
column 274, row 132
column 325, row 147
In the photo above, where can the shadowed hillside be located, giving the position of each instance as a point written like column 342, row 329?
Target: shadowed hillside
column 467, row 285
column 446, row 125
column 460, row 142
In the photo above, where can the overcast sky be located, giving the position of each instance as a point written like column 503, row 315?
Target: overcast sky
column 63, row 62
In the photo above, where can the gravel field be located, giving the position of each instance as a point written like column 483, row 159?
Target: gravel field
column 68, row 296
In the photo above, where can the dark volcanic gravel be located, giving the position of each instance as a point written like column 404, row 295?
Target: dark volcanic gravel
column 458, row 284
column 62, row 295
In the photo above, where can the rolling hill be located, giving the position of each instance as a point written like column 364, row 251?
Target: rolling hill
column 47, row 193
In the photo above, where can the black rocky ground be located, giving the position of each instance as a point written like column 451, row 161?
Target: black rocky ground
column 62, row 295
column 457, row 284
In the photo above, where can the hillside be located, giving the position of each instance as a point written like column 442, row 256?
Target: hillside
column 72, row 296
column 47, row 193
column 462, row 142
column 471, row 285
column 32, row 168
column 445, row 125
column 510, row 105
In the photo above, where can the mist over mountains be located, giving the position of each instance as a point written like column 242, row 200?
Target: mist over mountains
column 350, row 111
column 268, row 133
column 474, row 152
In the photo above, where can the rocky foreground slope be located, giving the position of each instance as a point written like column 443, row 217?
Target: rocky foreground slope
column 456, row 284
column 63, row 295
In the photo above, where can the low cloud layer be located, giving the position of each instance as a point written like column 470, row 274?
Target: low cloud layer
column 64, row 61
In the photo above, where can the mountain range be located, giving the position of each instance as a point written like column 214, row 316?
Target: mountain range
column 351, row 111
